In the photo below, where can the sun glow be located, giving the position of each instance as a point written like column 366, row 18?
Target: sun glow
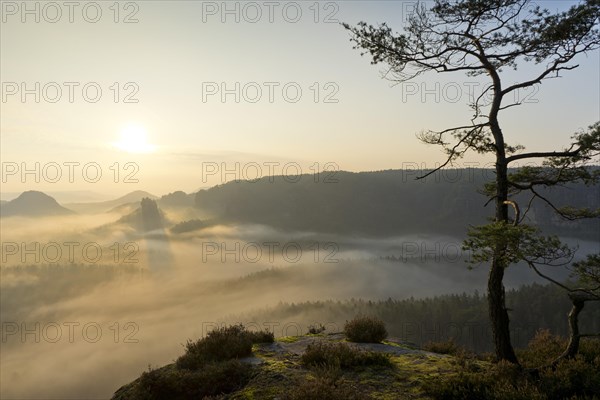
column 133, row 138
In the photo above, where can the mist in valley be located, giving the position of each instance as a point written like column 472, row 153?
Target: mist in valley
column 86, row 325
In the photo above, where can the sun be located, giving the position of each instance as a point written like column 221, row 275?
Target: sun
column 133, row 138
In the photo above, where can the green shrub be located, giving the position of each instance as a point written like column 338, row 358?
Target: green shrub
column 180, row 384
column 262, row 337
column 502, row 381
column 341, row 355
column 209, row 367
column 542, row 349
column 319, row 389
column 316, row 329
column 571, row 378
column 327, row 384
column 221, row 344
column 578, row 378
column 365, row 329
column 589, row 349
column 442, row 347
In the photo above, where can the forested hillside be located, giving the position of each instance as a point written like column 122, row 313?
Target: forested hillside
column 385, row 202
column 461, row 317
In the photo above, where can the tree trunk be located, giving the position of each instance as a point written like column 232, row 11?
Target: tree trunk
column 578, row 298
column 499, row 314
column 496, row 301
column 573, row 347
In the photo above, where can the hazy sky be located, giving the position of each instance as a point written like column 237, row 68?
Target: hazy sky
column 175, row 61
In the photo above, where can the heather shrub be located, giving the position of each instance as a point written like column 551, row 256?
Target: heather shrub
column 327, row 383
column 316, row 329
column 542, row 349
column 577, row 378
column 341, row 355
column 365, row 329
column 180, row 384
column 221, row 344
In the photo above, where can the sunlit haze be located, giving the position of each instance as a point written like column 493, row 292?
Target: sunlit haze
column 297, row 200
column 208, row 91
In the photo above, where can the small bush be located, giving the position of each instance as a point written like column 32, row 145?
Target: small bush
column 209, row 367
column 342, row 355
column 443, row 347
column 327, row 384
column 572, row 378
column 589, row 349
column 221, row 344
column 180, row 384
column 316, row 329
column 542, row 349
column 365, row 329
column 262, row 337
column 569, row 379
column 502, row 381
column 320, row 388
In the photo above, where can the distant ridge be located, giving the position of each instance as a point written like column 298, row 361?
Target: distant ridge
column 105, row 206
column 390, row 202
column 65, row 196
column 177, row 199
column 33, row 204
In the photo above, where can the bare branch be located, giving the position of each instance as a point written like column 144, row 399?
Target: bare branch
column 528, row 208
column 543, row 155
column 453, row 152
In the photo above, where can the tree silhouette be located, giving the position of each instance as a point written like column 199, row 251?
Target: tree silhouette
column 484, row 38
column 587, row 273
